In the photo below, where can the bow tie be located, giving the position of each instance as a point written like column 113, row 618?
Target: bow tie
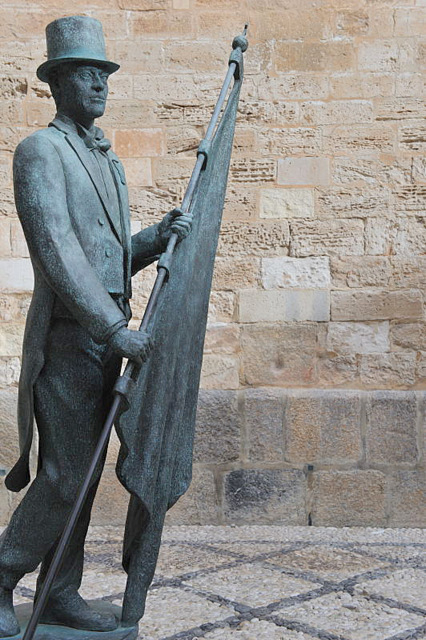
column 94, row 140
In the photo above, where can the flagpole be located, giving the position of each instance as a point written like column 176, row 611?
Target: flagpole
column 127, row 381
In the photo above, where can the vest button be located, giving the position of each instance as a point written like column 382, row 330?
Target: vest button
column 101, row 222
column 108, row 253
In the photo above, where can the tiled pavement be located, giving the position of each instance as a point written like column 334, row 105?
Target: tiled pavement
column 271, row 583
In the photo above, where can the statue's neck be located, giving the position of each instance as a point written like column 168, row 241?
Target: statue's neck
column 86, row 122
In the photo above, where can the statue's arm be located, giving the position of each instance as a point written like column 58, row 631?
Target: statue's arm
column 147, row 245
column 40, row 195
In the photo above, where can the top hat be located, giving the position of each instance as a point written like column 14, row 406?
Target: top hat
column 74, row 39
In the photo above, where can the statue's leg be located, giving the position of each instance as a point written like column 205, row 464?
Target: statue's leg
column 70, row 408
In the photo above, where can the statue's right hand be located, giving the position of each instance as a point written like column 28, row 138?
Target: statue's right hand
column 135, row 345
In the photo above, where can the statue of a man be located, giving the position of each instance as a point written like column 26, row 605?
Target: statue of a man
column 71, row 198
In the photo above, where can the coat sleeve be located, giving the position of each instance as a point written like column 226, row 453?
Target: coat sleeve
column 146, row 247
column 41, row 202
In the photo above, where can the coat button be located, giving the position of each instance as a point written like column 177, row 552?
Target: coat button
column 101, row 222
column 108, row 253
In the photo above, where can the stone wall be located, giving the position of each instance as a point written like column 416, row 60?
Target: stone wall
column 312, row 408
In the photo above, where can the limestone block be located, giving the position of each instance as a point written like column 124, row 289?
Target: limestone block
column 161, row 24
column 389, row 370
column 11, row 111
column 352, row 84
column 200, row 504
column 39, row 113
column 139, row 143
column 391, row 436
column 284, row 305
column 255, row 496
column 352, row 23
column 382, row 56
column 128, row 113
column 279, row 355
column 12, row 87
column 182, row 139
column 218, row 427
column 408, row 336
column 17, row 240
column 138, row 55
column 5, row 170
column 289, row 23
column 349, row 499
column 335, row 370
column 400, row 109
column 409, row 84
column 9, row 450
column 257, row 239
column 303, row 273
column 412, row 137
column 263, row 414
column 172, row 174
column 222, row 306
column 222, row 338
column 14, row 307
column 150, row 204
column 220, row 372
column 7, row 204
column 240, row 202
column 138, row 171
column 5, row 240
column 181, row 4
column 290, row 141
column 16, row 275
column 187, row 56
column 273, row 113
column 331, row 237
column 360, row 271
column 300, row 86
column 253, row 170
column 410, row 199
column 357, row 337
column 303, row 171
column 353, row 202
column 316, row 112
column 235, row 273
column 111, row 502
column 165, row 88
column 410, row 21
column 322, row 427
column 376, row 305
column 287, row 203
column 11, row 336
column 10, row 368
column 359, row 139
column 407, row 498
column 120, row 87
column 349, row 170
column 314, row 56
column 143, row 5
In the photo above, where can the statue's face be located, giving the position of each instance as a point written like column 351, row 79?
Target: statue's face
column 83, row 90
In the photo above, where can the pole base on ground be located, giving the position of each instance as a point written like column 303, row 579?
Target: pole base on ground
column 55, row 632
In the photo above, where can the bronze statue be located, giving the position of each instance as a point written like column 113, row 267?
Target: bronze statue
column 71, row 198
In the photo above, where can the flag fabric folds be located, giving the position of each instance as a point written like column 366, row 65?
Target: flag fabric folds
column 157, row 431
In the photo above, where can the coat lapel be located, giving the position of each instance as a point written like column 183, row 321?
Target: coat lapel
column 91, row 166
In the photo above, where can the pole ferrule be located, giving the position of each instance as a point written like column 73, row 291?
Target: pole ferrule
column 204, row 150
column 124, row 385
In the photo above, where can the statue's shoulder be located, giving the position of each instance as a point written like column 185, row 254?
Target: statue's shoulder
column 40, row 144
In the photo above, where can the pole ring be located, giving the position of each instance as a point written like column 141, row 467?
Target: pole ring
column 240, row 42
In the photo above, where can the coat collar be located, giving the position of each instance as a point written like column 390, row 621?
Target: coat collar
column 74, row 138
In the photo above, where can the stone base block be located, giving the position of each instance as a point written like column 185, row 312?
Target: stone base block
column 56, row 632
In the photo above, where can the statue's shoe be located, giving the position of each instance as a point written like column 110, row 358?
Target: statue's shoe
column 9, row 625
column 70, row 610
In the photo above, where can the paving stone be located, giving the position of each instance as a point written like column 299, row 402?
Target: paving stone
column 251, row 584
column 265, row 495
column 391, row 435
column 184, row 610
column 352, row 617
column 406, row 586
column 256, row 630
column 177, row 559
column 328, row 563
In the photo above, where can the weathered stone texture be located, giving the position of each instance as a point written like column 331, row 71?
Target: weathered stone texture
column 284, row 306
column 376, row 305
column 218, row 427
column 263, row 417
column 266, row 495
column 392, row 428
column 322, row 427
column 304, row 273
column 355, row 337
column 327, row 237
column 287, row 203
column 349, row 498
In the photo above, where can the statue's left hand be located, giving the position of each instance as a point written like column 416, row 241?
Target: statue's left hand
column 175, row 222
